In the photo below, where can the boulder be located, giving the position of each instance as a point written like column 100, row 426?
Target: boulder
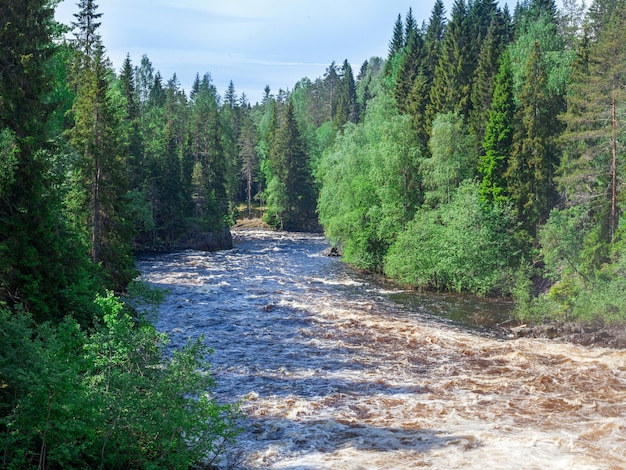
column 331, row 251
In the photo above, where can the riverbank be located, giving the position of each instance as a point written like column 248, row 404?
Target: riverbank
column 590, row 334
column 584, row 334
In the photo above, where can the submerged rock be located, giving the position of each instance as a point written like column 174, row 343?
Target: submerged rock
column 331, row 251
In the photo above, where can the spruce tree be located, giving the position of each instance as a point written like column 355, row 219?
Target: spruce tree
column 346, row 106
column 248, row 156
column 211, row 198
column 98, row 138
column 289, row 160
column 533, row 158
column 483, row 86
column 498, row 137
column 396, row 45
column 418, row 100
column 41, row 265
column 411, row 66
column 135, row 150
column 451, row 88
column 595, row 124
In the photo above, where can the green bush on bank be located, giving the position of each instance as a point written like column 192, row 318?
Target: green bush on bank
column 109, row 399
column 463, row 246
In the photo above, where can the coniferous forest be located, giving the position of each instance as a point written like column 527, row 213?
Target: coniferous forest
column 483, row 155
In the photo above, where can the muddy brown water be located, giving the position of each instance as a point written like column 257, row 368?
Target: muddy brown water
column 337, row 371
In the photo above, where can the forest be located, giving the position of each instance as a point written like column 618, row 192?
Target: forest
column 484, row 155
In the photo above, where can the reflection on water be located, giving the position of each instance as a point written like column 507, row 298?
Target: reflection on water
column 340, row 372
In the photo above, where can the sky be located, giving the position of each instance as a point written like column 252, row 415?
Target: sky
column 254, row 43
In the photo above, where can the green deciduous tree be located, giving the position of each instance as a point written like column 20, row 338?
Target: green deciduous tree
column 370, row 184
column 438, row 248
column 453, row 159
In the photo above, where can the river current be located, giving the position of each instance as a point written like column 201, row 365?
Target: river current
column 338, row 371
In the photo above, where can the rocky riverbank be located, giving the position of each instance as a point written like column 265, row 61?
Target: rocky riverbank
column 584, row 334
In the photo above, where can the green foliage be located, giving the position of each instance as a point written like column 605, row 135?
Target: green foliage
column 562, row 241
column 451, row 89
column 110, row 399
column 453, row 159
column 9, row 154
column 291, row 193
column 534, row 158
column 498, row 137
column 370, row 184
column 464, row 246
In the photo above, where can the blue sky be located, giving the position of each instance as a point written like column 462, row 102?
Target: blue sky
column 254, row 43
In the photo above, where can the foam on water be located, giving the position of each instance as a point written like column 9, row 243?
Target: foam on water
column 334, row 374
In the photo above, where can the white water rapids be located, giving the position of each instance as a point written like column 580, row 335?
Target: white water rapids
column 334, row 375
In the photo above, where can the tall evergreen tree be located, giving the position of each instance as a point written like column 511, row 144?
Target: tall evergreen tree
column 419, row 95
column 396, row 45
column 451, row 88
column 411, row 66
column 295, row 204
column 40, row 264
column 211, row 194
column 410, row 26
column 595, row 117
column 135, row 150
column 434, row 37
column 331, row 85
column 533, row 159
column 85, row 30
column 346, row 106
column 498, row 137
column 96, row 136
column 483, row 86
column 248, row 140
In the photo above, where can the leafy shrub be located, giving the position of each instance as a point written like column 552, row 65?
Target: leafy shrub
column 110, row 399
column 462, row 246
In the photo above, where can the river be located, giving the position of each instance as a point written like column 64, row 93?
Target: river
column 339, row 371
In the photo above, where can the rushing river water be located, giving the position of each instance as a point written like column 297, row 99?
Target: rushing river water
column 339, row 372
